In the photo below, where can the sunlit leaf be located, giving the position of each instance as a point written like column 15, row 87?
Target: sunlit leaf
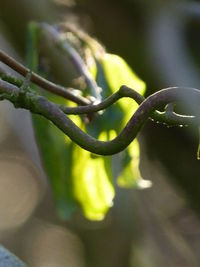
column 78, row 176
column 93, row 189
column 92, row 186
column 117, row 73
column 130, row 173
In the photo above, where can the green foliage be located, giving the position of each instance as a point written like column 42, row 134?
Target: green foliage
column 79, row 177
column 56, row 152
column 92, row 185
column 117, row 73
column 55, row 149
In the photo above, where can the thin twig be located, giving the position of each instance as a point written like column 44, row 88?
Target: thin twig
column 42, row 82
column 75, row 58
column 96, row 48
column 40, row 105
column 172, row 119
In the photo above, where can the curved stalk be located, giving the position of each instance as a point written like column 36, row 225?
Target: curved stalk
column 40, row 105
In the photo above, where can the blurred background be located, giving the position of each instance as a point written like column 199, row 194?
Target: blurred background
column 154, row 227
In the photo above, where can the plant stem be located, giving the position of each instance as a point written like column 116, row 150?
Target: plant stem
column 40, row 105
column 42, row 82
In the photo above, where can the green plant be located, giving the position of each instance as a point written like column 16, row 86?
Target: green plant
column 82, row 177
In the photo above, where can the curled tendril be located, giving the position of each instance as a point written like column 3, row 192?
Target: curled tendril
column 40, row 105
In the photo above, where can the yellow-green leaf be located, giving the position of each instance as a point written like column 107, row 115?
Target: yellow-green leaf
column 93, row 188
column 130, row 175
column 118, row 73
column 75, row 174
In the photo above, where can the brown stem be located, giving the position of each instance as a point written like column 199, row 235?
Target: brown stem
column 42, row 82
column 40, row 105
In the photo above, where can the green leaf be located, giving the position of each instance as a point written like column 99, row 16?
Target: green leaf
column 55, row 148
column 117, row 73
column 56, row 152
column 32, row 39
column 92, row 181
column 130, row 175
column 77, row 176
column 92, row 186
